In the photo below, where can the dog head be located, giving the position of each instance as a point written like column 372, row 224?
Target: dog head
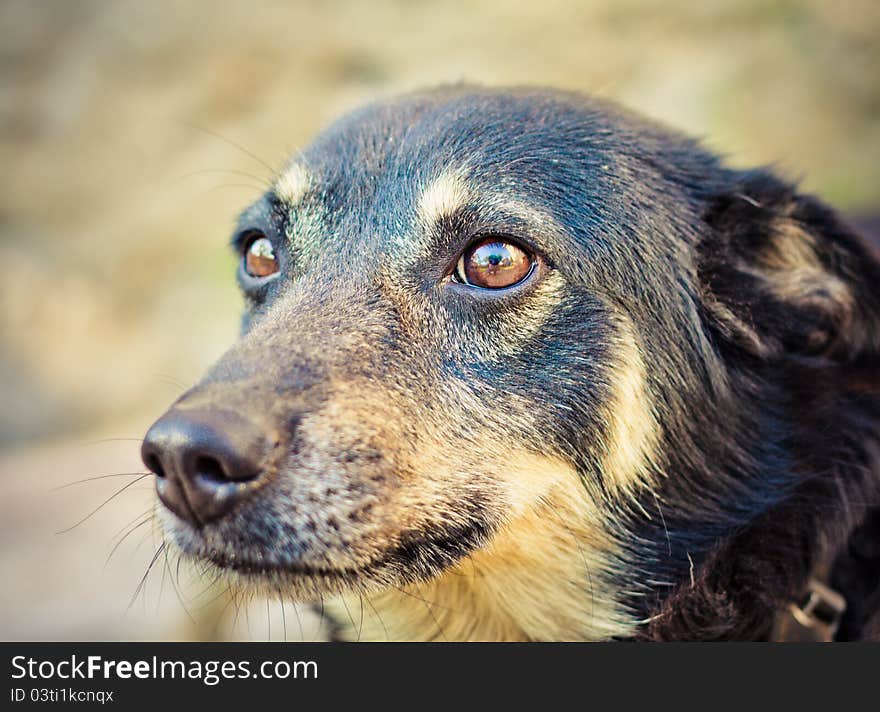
column 501, row 327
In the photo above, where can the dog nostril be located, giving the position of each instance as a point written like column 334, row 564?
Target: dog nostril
column 210, row 469
column 154, row 465
column 203, row 460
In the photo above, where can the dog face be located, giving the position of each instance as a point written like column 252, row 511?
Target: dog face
column 478, row 327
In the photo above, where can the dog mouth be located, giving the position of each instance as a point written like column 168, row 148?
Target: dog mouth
column 417, row 556
column 226, row 551
column 302, row 580
column 258, row 569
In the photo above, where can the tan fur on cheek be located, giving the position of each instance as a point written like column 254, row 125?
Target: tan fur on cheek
column 546, row 574
column 629, row 461
column 549, row 572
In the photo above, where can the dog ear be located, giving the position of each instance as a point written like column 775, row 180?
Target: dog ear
column 782, row 275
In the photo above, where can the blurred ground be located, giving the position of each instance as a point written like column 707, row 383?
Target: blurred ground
column 131, row 133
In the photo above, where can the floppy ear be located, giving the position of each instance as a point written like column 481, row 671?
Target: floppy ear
column 781, row 275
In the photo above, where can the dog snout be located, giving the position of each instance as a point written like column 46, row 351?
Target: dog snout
column 206, row 461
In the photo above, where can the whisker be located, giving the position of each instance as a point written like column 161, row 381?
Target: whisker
column 162, row 582
column 302, row 635
column 176, row 589
column 104, row 503
column 232, row 185
column 424, row 600
column 177, row 568
column 351, row 617
column 168, row 380
column 148, row 535
column 233, row 144
column 99, row 477
column 143, row 580
column 321, row 619
column 171, row 379
column 268, row 623
column 114, row 440
column 208, row 588
column 299, row 623
column 237, row 604
column 587, row 568
column 131, row 531
column 263, row 183
column 283, row 617
column 295, row 150
column 218, row 621
column 215, row 597
column 148, row 513
column 247, row 620
column 379, row 618
column 428, row 607
column 436, row 622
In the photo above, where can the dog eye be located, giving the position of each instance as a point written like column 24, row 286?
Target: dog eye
column 259, row 257
column 493, row 263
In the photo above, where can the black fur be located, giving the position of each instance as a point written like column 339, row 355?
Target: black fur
column 800, row 457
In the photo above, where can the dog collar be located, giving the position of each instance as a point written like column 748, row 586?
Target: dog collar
column 814, row 618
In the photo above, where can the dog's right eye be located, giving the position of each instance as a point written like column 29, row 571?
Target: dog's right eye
column 493, row 263
column 259, row 257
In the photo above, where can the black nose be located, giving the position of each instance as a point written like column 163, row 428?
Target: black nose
column 205, row 461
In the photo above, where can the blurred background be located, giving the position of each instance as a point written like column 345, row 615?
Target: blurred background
column 131, row 134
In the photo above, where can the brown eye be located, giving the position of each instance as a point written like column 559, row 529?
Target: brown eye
column 259, row 258
column 493, row 263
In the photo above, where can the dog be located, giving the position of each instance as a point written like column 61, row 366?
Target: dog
column 519, row 365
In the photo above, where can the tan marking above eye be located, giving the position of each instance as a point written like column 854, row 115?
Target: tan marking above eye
column 259, row 258
column 493, row 263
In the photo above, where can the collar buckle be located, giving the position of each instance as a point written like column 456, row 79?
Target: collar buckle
column 815, row 618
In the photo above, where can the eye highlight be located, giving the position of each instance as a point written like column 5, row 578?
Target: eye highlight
column 259, row 257
column 493, row 263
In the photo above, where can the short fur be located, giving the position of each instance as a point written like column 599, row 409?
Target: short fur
column 659, row 434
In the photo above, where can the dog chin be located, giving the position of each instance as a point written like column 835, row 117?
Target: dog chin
column 300, row 584
column 265, row 572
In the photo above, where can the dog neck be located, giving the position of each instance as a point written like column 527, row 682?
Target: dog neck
column 544, row 576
